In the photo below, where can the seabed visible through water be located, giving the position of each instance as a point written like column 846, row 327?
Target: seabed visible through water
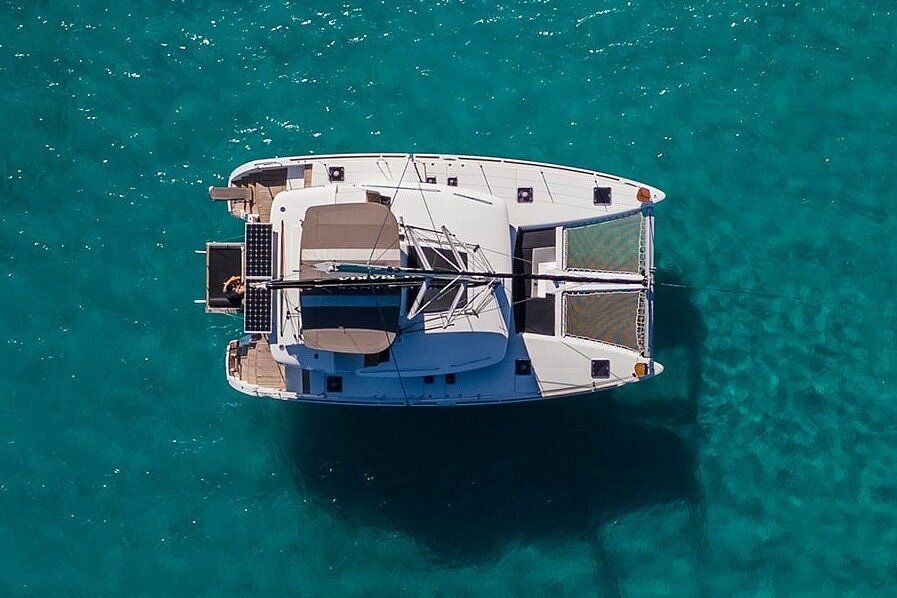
column 760, row 462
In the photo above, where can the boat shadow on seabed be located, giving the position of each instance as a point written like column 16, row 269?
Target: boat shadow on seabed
column 468, row 482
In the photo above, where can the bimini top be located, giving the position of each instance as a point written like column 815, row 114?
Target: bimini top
column 349, row 320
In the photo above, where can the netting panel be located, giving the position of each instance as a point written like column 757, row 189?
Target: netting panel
column 608, row 246
column 616, row 318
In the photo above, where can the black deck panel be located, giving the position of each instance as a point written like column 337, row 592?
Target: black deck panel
column 367, row 309
column 538, row 315
column 224, row 261
column 534, row 315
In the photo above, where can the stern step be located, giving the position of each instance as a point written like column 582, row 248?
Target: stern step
column 230, row 193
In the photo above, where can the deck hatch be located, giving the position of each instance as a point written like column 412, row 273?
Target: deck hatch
column 601, row 196
column 600, row 368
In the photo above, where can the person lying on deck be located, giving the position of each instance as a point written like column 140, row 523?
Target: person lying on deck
column 234, row 290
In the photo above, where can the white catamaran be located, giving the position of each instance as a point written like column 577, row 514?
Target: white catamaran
column 418, row 279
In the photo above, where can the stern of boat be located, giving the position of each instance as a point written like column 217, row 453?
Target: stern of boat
column 251, row 369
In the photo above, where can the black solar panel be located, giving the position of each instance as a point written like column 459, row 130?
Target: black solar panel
column 259, row 267
column 257, row 310
column 258, row 250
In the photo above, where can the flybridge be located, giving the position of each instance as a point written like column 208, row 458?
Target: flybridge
column 386, row 271
column 374, row 279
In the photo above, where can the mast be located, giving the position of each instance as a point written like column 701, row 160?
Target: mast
column 365, row 274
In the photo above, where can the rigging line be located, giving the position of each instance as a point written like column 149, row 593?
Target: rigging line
column 574, row 349
column 480, row 257
column 738, row 292
column 600, row 278
column 484, row 249
column 468, row 245
column 410, row 276
column 287, row 314
column 230, row 239
column 383, row 251
column 303, row 267
column 353, row 283
column 597, row 276
column 503, row 254
column 483, row 170
column 426, row 230
column 371, row 286
column 348, row 283
column 395, row 362
column 483, row 290
column 423, row 197
column 388, row 211
column 439, row 253
column 441, row 292
column 486, row 310
column 547, row 188
column 497, row 307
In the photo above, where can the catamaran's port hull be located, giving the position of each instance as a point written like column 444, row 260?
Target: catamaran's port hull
column 251, row 372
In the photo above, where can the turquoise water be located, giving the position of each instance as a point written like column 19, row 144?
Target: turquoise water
column 761, row 462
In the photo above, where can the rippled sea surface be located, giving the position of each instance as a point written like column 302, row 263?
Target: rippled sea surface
column 761, row 462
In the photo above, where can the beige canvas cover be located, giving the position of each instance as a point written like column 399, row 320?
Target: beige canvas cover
column 349, row 320
column 348, row 340
column 349, row 232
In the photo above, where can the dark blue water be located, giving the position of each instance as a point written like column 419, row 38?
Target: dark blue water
column 761, row 462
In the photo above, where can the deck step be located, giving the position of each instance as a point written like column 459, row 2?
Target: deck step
column 230, row 193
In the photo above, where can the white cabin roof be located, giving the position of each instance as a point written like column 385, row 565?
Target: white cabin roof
column 426, row 345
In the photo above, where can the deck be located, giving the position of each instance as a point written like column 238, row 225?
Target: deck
column 253, row 364
column 265, row 185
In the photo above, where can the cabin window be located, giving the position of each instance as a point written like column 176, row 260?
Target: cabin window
column 373, row 359
column 374, row 197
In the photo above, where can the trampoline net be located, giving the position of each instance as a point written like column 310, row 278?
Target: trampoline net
column 617, row 318
column 609, row 246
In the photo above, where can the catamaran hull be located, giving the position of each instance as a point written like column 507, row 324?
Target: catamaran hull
column 576, row 319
